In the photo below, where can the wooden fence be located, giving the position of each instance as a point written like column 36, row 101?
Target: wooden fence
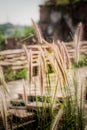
column 17, row 59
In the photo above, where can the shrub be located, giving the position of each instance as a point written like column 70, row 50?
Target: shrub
column 82, row 62
column 22, row 73
column 11, row 75
column 28, row 30
column 2, row 44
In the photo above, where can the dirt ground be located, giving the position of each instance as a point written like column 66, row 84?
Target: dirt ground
column 16, row 87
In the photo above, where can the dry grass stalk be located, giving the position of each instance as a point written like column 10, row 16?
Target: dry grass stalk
column 59, row 79
column 57, row 120
column 29, row 61
column 3, row 110
column 38, row 32
column 26, row 52
column 58, row 59
column 59, row 65
column 25, row 93
column 30, row 68
column 60, row 62
column 3, row 104
column 41, row 74
column 2, row 81
column 61, row 49
column 67, row 58
column 61, row 53
column 77, row 39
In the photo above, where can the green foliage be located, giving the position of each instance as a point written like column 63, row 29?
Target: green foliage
column 44, row 117
column 5, row 27
column 22, row 73
column 28, row 31
column 16, row 33
column 2, row 43
column 2, row 57
column 81, row 63
column 50, row 69
column 2, row 30
column 11, row 75
column 62, row 2
column 73, row 110
column 10, row 30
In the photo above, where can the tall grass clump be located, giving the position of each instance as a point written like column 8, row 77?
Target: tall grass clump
column 3, row 101
column 71, row 114
column 73, row 110
column 57, row 57
column 51, row 113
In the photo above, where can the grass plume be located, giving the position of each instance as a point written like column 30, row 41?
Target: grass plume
column 77, row 40
column 3, row 94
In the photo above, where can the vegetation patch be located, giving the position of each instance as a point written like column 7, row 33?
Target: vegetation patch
column 2, row 43
column 81, row 63
column 11, row 75
column 21, row 74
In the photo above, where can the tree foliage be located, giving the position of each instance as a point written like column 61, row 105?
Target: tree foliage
column 16, row 33
column 2, row 43
column 59, row 2
column 28, row 30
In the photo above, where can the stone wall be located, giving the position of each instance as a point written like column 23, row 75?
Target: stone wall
column 59, row 22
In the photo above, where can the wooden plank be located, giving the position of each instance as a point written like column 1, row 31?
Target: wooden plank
column 39, row 105
column 14, row 60
column 35, row 56
column 12, row 56
column 21, row 113
column 34, row 60
column 71, row 51
column 17, row 58
column 4, row 63
column 34, row 105
column 19, row 67
column 35, row 52
column 15, row 127
column 36, row 46
column 35, row 64
column 9, row 52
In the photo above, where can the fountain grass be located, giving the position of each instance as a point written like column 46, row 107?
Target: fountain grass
column 59, row 64
column 3, row 94
column 66, row 114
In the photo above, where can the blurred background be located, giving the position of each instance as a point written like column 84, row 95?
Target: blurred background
column 57, row 19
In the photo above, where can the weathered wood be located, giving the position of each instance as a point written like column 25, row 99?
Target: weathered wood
column 19, row 67
column 17, row 58
column 23, row 124
column 4, row 63
column 13, row 55
column 10, row 52
column 36, row 46
column 21, row 113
